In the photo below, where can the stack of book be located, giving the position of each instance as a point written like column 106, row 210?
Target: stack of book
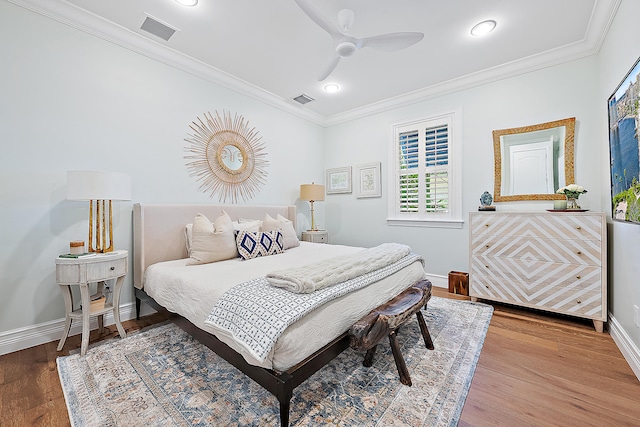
column 98, row 304
column 84, row 255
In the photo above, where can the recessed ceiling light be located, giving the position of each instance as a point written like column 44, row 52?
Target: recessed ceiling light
column 331, row 88
column 188, row 2
column 484, row 27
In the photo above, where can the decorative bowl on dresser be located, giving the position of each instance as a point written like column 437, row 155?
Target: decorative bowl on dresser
column 553, row 261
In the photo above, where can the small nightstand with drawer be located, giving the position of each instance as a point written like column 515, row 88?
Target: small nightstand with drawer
column 81, row 272
column 318, row 236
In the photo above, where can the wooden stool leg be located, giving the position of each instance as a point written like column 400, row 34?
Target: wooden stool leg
column 368, row 358
column 425, row 331
column 405, row 378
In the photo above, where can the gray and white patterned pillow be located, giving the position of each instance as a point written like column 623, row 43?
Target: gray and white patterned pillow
column 254, row 244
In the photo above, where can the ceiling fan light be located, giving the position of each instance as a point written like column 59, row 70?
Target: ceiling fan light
column 482, row 28
column 346, row 49
column 331, row 88
column 188, row 2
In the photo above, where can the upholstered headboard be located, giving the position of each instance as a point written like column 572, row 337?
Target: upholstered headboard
column 158, row 229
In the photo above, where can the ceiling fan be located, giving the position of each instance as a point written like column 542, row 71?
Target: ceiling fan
column 346, row 45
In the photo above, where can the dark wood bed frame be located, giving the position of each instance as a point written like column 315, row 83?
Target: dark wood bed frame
column 280, row 384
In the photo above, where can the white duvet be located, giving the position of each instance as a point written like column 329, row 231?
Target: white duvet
column 192, row 290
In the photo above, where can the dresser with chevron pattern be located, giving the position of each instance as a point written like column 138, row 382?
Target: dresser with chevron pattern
column 554, row 261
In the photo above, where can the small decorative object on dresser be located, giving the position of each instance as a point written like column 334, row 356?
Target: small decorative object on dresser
column 572, row 192
column 485, row 202
column 82, row 271
column 317, row 236
column 541, row 260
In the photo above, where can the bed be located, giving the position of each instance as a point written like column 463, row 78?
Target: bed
column 164, row 280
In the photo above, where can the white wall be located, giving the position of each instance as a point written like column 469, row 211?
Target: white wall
column 550, row 94
column 618, row 54
column 69, row 100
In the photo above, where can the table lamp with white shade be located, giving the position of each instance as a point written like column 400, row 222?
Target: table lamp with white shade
column 312, row 193
column 100, row 189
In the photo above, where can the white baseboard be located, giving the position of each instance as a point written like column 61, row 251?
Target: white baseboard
column 439, row 281
column 19, row 339
column 628, row 349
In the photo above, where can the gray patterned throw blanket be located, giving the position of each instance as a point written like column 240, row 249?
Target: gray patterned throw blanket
column 256, row 313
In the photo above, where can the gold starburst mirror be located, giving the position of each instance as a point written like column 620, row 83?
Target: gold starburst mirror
column 226, row 156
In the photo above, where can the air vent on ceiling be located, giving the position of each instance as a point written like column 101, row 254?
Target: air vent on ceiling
column 157, row 28
column 303, row 99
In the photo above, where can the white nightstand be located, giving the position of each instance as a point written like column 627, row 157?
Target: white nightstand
column 319, row 236
column 81, row 272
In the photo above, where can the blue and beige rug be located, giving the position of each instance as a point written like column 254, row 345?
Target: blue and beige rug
column 162, row 377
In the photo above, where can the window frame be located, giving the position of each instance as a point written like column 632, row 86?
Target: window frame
column 452, row 218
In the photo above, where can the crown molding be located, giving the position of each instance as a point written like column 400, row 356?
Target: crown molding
column 80, row 19
column 60, row 10
column 601, row 19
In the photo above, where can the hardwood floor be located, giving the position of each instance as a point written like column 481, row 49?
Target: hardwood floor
column 534, row 370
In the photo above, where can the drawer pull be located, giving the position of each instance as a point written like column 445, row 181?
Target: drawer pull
column 486, row 246
column 579, row 302
column 112, row 268
column 579, row 253
column 486, row 266
column 578, row 228
column 578, row 277
column 486, row 225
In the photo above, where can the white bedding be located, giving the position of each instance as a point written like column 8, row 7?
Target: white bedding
column 192, row 290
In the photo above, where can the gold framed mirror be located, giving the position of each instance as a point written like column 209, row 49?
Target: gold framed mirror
column 226, row 157
column 533, row 162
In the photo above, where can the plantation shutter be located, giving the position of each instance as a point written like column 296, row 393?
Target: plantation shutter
column 408, row 184
column 423, row 169
column 437, row 169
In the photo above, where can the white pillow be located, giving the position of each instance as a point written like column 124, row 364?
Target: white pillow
column 285, row 226
column 212, row 242
column 252, row 226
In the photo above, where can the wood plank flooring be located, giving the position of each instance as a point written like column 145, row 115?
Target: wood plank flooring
column 534, row 370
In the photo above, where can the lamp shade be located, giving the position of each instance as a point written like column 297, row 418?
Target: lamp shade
column 95, row 185
column 312, row 192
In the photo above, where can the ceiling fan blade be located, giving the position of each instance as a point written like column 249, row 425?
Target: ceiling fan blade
column 329, row 68
column 312, row 11
column 391, row 42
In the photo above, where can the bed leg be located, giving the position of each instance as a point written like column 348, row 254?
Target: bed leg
column 138, row 308
column 284, row 413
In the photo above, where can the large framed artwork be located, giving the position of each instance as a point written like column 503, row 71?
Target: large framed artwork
column 339, row 180
column 624, row 118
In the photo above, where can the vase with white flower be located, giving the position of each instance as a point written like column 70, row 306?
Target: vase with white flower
column 572, row 192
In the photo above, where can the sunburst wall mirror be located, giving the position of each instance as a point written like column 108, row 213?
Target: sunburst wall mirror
column 226, row 156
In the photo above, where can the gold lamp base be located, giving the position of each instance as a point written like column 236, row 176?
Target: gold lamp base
column 98, row 224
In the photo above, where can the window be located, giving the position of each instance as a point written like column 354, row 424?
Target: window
column 426, row 177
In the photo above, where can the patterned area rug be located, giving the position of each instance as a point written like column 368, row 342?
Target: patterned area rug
column 163, row 377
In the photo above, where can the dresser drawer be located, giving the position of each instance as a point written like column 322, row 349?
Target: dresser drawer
column 569, row 289
column 543, row 225
column 588, row 252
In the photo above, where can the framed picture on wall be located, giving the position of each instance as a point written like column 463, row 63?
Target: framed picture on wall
column 624, row 121
column 339, row 180
column 368, row 180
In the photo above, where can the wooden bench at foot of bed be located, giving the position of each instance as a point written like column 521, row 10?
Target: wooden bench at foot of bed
column 385, row 320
